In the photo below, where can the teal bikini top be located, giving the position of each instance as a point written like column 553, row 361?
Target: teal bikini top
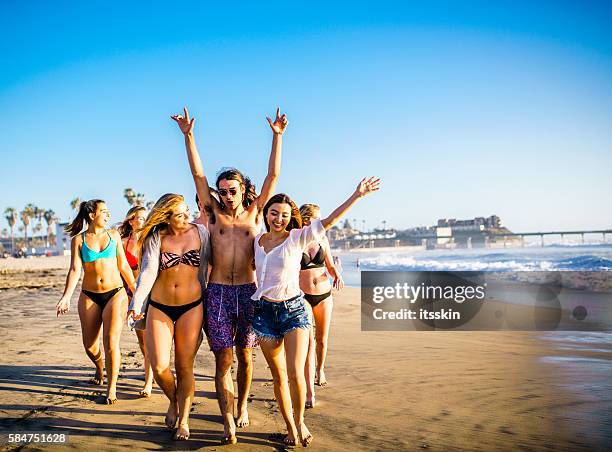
column 90, row 255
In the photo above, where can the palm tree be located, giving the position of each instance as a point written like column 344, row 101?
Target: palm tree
column 133, row 198
column 39, row 213
column 75, row 203
column 26, row 214
column 49, row 217
column 140, row 200
column 130, row 196
column 36, row 228
column 11, row 217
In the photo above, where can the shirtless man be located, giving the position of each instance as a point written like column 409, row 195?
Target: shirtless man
column 233, row 221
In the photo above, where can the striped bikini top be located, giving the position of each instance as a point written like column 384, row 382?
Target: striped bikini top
column 168, row 260
column 89, row 255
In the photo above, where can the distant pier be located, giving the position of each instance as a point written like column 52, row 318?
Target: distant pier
column 470, row 239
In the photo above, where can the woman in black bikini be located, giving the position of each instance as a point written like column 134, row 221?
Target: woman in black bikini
column 173, row 272
column 316, row 267
column 102, row 302
column 130, row 232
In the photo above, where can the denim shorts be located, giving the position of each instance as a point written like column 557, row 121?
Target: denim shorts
column 273, row 320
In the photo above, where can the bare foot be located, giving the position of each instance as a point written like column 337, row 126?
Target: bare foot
column 320, row 379
column 229, row 440
column 98, row 378
column 111, row 396
column 171, row 415
column 146, row 390
column 182, row 432
column 229, row 431
column 310, row 403
column 288, row 439
column 243, row 418
column 305, row 435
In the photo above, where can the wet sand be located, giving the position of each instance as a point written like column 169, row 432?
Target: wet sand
column 387, row 390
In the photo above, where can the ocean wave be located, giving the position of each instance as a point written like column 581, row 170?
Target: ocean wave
column 567, row 244
column 492, row 262
column 585, row 262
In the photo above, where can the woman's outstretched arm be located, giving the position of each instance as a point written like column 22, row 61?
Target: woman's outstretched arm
column 74, row 274
column 274, row 163
column 365, row 187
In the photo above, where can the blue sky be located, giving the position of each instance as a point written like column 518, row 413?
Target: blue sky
column 463, row 108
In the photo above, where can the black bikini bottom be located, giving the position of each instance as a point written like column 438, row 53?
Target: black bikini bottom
column 316, row 299
column 174, row 312
column 101, row 298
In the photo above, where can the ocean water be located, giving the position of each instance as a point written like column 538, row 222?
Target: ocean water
column 588, row 354
column 549, row 258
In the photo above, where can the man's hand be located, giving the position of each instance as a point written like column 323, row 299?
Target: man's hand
column 280, row 123
column 184, row 123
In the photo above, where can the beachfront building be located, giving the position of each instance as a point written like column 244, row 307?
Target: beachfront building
column 62, row 241
column 447, row 233
column 476, row 232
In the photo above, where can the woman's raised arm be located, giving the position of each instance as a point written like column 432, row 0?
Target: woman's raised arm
column 365, row 187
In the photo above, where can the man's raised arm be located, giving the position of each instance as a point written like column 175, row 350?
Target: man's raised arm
column 195, row 163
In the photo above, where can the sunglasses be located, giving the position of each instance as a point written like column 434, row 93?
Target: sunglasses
column 231, row 191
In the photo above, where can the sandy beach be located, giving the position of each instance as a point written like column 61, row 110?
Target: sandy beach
column 387, row 390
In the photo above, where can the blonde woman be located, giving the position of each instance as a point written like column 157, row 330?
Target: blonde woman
column 130, row 232
column 173, row 275
column 103, row 302
column 316, row 267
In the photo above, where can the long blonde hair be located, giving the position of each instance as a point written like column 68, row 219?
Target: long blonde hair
column 157, row 219
column 307, row 211
column 125, row 228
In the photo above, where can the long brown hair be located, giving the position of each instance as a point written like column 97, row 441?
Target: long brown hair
column 157, row 219
column 82, row 218
column 125, row 228
column 296, row 219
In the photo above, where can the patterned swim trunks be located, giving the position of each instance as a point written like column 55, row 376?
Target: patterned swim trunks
column 229, row 316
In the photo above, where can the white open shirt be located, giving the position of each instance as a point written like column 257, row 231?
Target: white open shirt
column 278, row 272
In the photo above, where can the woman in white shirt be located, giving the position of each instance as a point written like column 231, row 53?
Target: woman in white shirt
column 281, row 320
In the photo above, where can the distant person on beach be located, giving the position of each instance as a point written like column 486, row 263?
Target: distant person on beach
column 173, row 274
column 234, row 221
column 317, row 266
column 130, row 233
column 281, row 321
column 103, row 301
